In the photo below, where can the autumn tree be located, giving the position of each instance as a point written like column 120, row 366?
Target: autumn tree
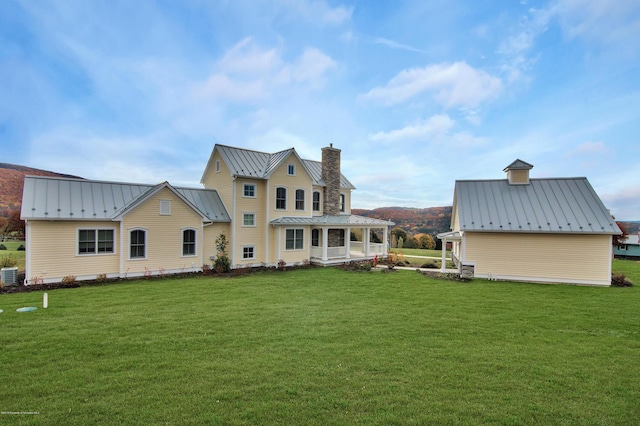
column 4, row 222
column 16, row 224
column 619, row 240
column 425, row 241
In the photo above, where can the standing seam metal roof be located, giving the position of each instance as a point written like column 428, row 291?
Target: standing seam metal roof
column 560, row 205
column 256, row 164
column 78, row 199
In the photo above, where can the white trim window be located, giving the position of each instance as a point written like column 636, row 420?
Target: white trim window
column 248, row 219
column 189, row 242
column 96, row 241
column 249, row 190
column 281, row 198
column 294, row 239
column 137, row 244
column 300, row 195
column 217, row 166
column 248, row 252
column 291, row 169
column 316, row 201
column 342, row 202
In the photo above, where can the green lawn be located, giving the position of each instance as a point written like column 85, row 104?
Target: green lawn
column 12, row 250
column 420, row 252
column 325, row 347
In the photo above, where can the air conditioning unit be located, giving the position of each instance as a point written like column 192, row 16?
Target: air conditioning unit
column 9, row 275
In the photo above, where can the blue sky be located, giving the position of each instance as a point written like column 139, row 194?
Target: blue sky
column 416, row 94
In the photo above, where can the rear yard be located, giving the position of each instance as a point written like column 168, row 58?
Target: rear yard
column 323, row 346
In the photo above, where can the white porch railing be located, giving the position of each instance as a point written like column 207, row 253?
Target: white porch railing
column 356, row 249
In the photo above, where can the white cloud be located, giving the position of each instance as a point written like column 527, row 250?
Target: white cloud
column 248, row 73
column 395, row 45
column 601, row 20
column 590, row 148
column 434, row 127
column 337, row 15
column 454, row 85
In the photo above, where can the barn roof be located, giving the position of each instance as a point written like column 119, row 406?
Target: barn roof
column 559, row 205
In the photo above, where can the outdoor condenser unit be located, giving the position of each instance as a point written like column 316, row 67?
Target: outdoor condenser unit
column 9, row 275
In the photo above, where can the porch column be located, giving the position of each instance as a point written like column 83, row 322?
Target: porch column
column 385, row 241
column 348, row 243
column 325, row 242
column 444, row 255
column 366, row 241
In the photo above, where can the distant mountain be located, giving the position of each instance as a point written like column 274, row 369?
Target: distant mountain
column 12, row 182
column 431, row 220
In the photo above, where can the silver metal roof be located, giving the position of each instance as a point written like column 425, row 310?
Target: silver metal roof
column 329, row 220
column 518, row 164
column 632, row 239
column 79, row 199
column 561, row 205
column 256, row 164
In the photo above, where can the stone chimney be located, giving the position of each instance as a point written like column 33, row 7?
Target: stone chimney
column 518, row 172
column 331, row 178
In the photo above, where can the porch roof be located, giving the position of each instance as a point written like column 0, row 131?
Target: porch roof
column 332, row 220
column 450, row 236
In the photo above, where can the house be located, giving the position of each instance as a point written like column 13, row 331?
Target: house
column 630, row 249
column 522, row 229
column 272, row 208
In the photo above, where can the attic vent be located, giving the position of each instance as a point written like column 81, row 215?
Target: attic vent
column 165, row 207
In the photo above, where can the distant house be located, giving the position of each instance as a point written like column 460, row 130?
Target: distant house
column 272, row 208
column 540, row 230
column 630, row 248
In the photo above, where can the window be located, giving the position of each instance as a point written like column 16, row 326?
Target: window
column 217, row 166
column 315, row 237
column 299, row 199
column 249, row 190
column 248, row 219
column 281, row 198
column 294, row 239
column 95, row 241
column 341, row 240
column 248, row 252
column 137, row 244
column 291, row 169
column 316, row 201
column 165, row 207
column 189, row 242
column 622, row 247
column 342, row 202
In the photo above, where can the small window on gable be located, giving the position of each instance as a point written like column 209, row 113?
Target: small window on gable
column 342, row 202
column 291, row 169
column 217, row 166
column 165, row 207
column 249, row 190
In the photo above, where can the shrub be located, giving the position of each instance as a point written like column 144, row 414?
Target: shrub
column 8, row 261
column 206, row 270
column 20, row 248
column 3, row 247
column 222, row 264
column 101, row 278
column 429, row 265
column 69, row 279
column 620, row 280
column 282, row 264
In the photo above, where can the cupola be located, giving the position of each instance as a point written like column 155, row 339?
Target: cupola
column 518, row 172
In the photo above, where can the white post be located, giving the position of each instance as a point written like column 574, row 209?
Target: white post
column 366, row 241
column 444, row 256
column 348, row 242
column 325, row 242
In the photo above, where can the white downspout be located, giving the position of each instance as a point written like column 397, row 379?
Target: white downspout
column 27, row 261
column 266, row 226
column 233, row 221
column 121, row 225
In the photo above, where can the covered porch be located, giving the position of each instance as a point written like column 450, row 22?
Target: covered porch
column 330, row 241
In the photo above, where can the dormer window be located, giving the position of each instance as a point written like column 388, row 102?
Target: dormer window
column 518, row 172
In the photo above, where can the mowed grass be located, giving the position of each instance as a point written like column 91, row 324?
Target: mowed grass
column 12, row 251
column 420, row 252
column 325, row 347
